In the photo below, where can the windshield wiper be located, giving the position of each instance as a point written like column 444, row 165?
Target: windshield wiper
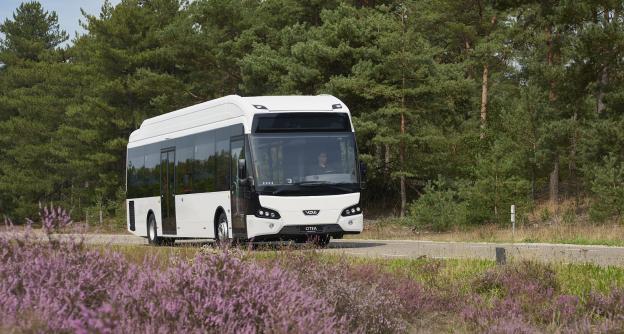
column 312, row 183
column 325, row 183
column 281, row 190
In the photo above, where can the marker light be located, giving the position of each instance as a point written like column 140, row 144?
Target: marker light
column 267, row 214
column 352, row 210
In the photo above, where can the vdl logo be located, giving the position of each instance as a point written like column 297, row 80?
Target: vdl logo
column 311, row 212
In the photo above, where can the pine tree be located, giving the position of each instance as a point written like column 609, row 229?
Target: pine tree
column 32, row 104
column 30, row 33
column 136, row 73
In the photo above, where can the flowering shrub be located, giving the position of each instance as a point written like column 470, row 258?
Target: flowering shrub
column 66, row 287
column 52, row 220
column 521, row 278
column 45, row 288
column 367, row 305
column 527, row 300
column 610, row 305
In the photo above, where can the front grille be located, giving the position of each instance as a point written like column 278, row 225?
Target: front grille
column 311, row 229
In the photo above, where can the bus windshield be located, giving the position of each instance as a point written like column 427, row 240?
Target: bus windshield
column 286, row 161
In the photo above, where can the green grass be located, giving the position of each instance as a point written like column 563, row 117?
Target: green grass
column 579, row 279
column 162, row 255
column 576, row 279
column 581, row 240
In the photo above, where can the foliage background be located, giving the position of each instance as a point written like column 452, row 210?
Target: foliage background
column 495, row 102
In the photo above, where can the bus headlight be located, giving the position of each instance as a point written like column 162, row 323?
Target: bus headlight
column 267, row 214
column 352, row 210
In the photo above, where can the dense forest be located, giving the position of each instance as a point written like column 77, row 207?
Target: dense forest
column 461, row 107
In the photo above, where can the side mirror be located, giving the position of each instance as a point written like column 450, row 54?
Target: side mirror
column 241, row 169
column 246, row 182
column 363, row 171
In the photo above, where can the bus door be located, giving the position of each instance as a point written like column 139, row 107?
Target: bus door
column 167, row 191
column 237, row 191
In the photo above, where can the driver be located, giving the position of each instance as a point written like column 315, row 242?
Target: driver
column 322, row 166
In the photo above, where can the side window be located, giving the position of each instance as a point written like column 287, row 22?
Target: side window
column 152, row 170
column 236, row 130
column 136, row 169
column 185, row 148
column 223, row 159
column 347, row 157
column 203, row 167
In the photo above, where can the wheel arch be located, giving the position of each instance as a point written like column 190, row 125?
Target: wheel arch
column 215, row 221
column 150, row 212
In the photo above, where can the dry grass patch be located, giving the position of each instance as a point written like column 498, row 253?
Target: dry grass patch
column 611, row 235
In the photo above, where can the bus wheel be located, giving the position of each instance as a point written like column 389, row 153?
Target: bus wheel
column 152, row 232
column 221, row 229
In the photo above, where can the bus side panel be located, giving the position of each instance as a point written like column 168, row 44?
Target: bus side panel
column 195, row 213
column 141, row 208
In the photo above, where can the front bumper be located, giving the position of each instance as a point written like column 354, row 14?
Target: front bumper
column 261, row 228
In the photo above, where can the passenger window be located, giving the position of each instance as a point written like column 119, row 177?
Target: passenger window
column 185, row 149
column 204, row 162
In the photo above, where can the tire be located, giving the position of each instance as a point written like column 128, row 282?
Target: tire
column 222, row 229
column 152, row 232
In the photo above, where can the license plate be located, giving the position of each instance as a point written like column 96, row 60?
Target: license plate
column 311, row 229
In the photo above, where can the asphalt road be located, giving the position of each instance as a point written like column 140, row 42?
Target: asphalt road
column 410, row 249
column 565, row 253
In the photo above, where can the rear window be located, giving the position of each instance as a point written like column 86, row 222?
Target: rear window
column 301, row 122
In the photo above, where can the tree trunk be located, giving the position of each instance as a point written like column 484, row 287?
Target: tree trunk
column 484, row 99
column 402, row 140
column 484, row 83
column 554, row 183
column 604, row 75
column 533, row 165
column 604, row 81
column 402, row 158
column 572, row 163
column 496, row 200
column 549, row 58
column 387, row 160
column 378, row 153
column 403, row 196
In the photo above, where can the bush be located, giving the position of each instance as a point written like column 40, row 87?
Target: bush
column 439, row 208
column 526, row 297
column 65, row 288
column 366, row 298
column 607, row 184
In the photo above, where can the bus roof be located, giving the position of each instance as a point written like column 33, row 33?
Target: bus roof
column 225, row 110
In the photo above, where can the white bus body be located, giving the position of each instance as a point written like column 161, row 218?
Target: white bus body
column 274, row 167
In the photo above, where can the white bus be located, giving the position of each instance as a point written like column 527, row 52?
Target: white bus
column 246, row 168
